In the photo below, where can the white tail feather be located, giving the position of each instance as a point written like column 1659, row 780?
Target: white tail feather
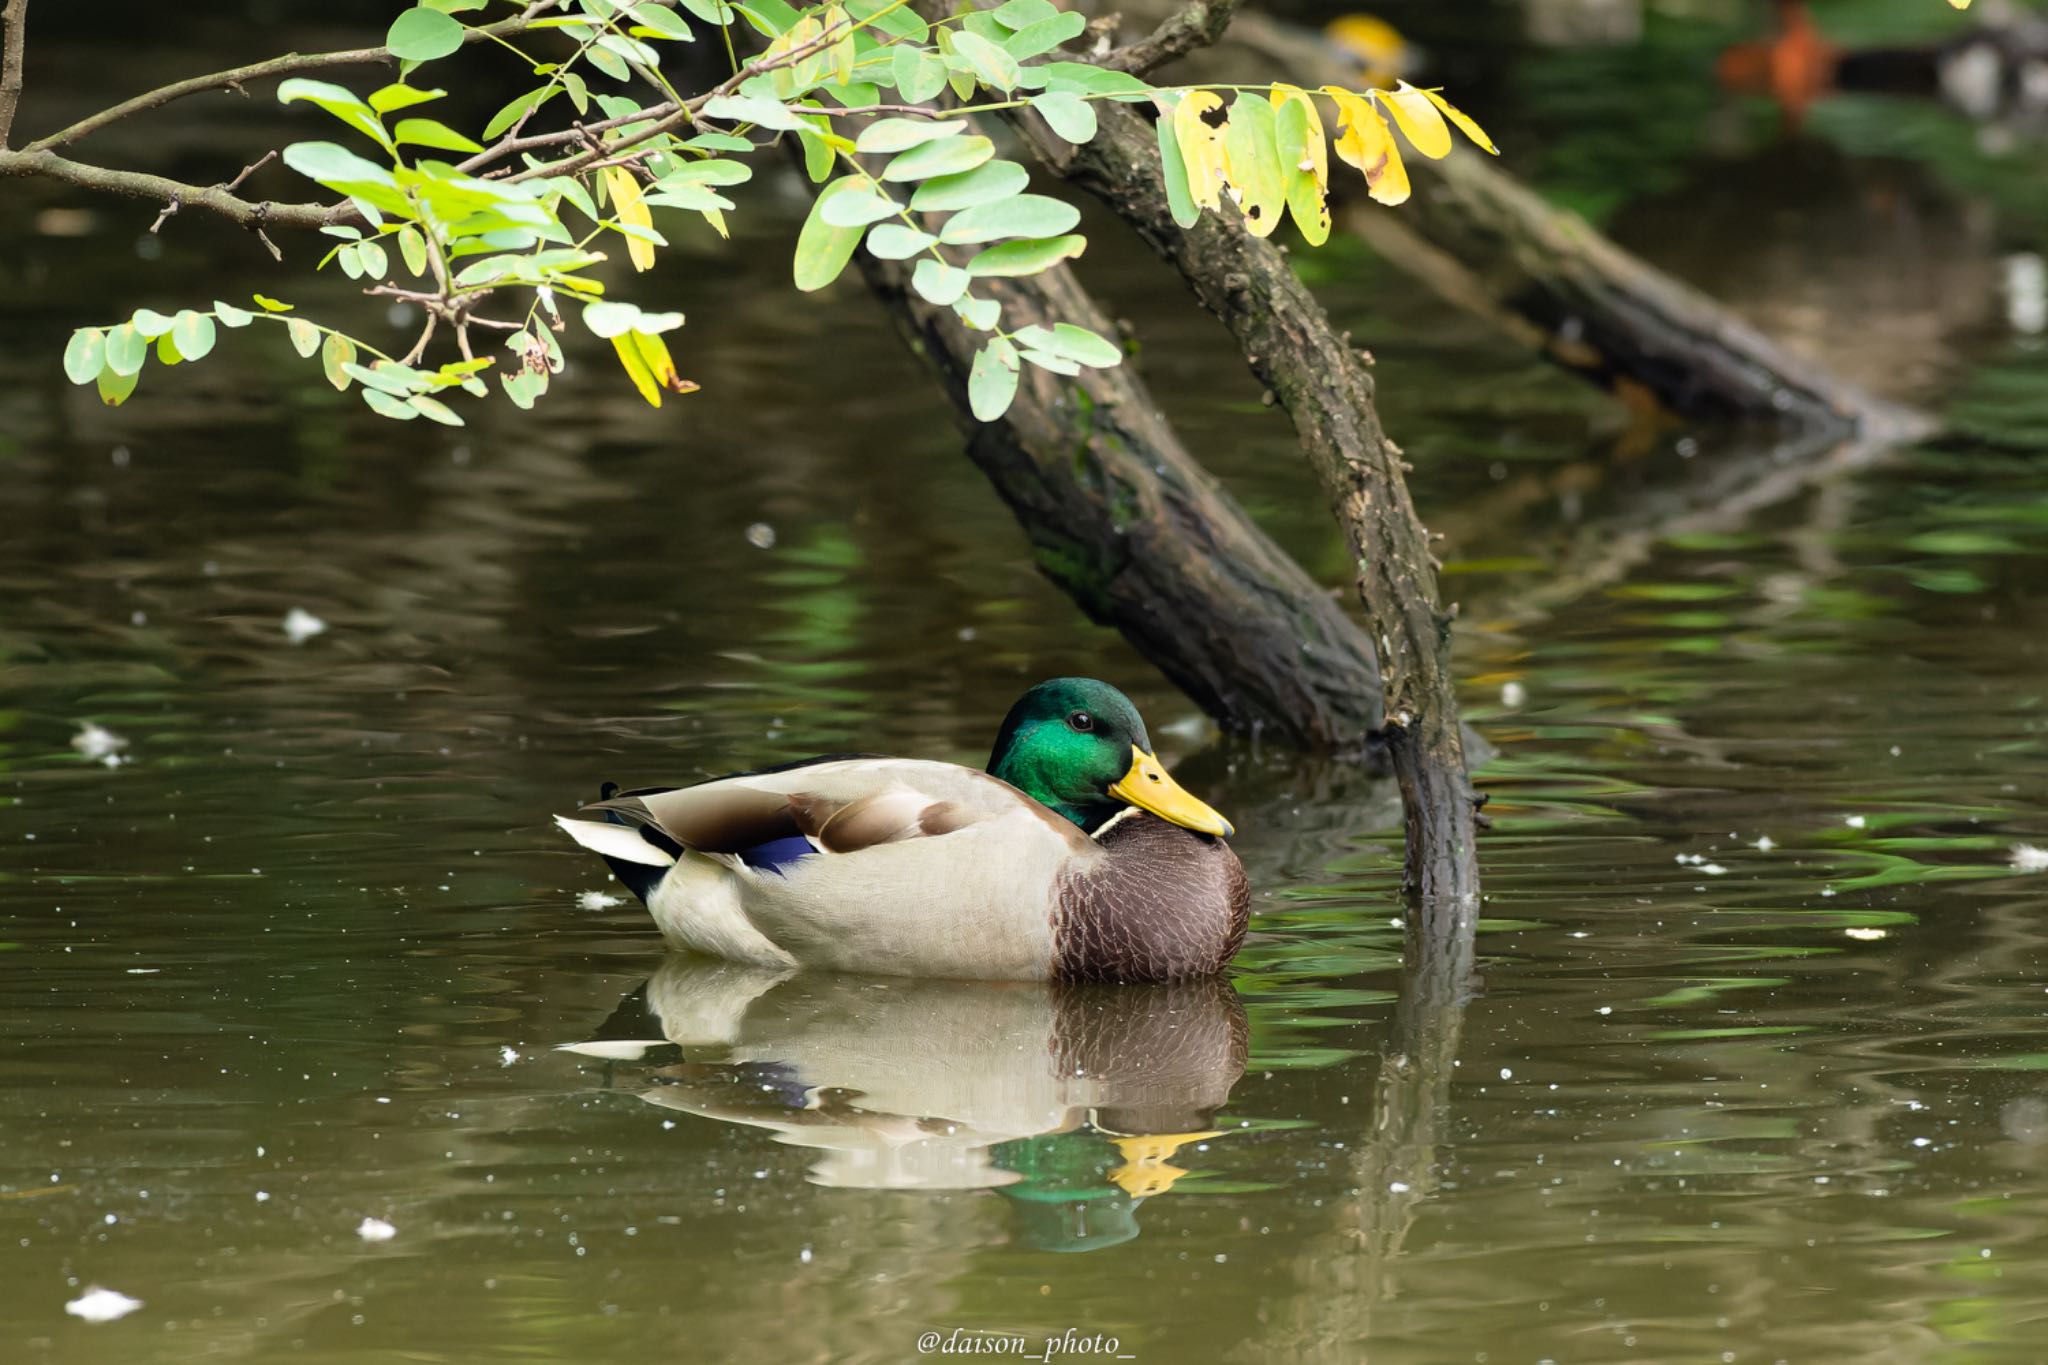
column 614, row 841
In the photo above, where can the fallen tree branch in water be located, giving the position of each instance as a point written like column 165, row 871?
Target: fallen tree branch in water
column 1486, row 242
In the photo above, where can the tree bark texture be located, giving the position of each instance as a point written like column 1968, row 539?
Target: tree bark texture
column 1323, row 385
column 1121, row 516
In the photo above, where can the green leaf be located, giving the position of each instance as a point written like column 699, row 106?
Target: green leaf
column 126, row 350
column 1083, row 78
column 1025, row 258
column 1069, row 342
column 713, row 172
column 270, row 305
column 918, row 74
column 1298, row 145
column 938, row 282
column 1025, row 215
column 980, row 314
column 337, row 352
column 523, row 388
column 1016, row 14
column 897, row 20
column 992, row 64
column 518, row 107
column 434, row 410
column 710, row 11
column 85, row 355
column 399, row 95
column 167, row 349
column 391, row 379
column 858, row 208
column 823, row 249
column 664, row 21
column 230, row 316
column 115, row 387
column 992, row 383
column 384, row 405
column 901, row 134
column 338, row 101
column 413, row 248
column 947, row 156
column 755, row 109
column 421, row 34
column 340, row 169
column 305, row 336
column 1042, row 37
column 769, row 18
column 983, row 185
column 426, row 132
column 1252, row 164
column 151, row 323
column 194, row 334
column 1056, row 364
column 889, row 242
column 1072, row 117
column 1179, row 200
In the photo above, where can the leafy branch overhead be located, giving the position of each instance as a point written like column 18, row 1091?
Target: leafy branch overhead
column 499, row 234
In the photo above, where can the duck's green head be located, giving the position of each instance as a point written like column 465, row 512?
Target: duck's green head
column 1079, row 747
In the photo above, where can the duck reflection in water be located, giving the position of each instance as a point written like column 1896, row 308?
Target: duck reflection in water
column 1076, row 1102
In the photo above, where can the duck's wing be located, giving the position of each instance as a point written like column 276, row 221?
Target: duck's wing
column 840, row 805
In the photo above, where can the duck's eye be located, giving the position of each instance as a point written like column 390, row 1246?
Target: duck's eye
column 1082, row 721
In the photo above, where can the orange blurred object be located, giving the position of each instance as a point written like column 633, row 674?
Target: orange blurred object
column 1795, row 68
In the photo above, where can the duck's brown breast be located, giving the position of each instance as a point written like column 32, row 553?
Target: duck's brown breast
column 1163, row 904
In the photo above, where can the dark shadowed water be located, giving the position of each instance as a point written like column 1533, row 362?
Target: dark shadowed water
column 1749, row 1064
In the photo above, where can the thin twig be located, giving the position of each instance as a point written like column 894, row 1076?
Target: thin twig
column 142, row 185
column 169, row 209
column 16, row 18
column 419, row 348
column 250, row 169
column 291, row 64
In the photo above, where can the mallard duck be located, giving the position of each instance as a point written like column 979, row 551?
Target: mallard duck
column 1073, row 857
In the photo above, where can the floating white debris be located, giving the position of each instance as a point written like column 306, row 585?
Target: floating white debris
column 1855, row 822
column 597, row 900
column 1397, row 1186
column 1513, row 695
column 301, row 625
column 507, row 1056
column 98, row 742
column 761, row 536
column 2027, row 858
column 375, row 1230
column 1862, row 935
column 611, row 1049
column 1764, row 843
column 102, row 1305
column 1713, row 869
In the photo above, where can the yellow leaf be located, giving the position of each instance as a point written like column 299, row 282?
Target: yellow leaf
column 648, row 364
column 636, row 367
column 1201, row 146
column 841, row 53
column 1368, row 144
column 1464, row 122
column 1420, row 122
column 626, row 203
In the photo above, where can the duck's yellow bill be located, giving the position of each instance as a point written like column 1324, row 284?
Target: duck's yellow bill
column 1148, row 787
